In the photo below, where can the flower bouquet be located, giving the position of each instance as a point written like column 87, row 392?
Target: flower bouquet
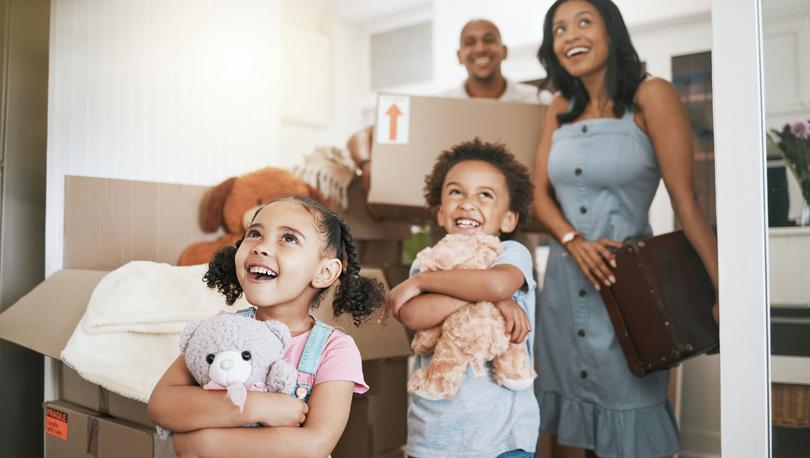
column 794, row 143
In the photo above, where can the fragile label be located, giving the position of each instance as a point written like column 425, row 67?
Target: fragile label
column 393, row 119
column 56, row 423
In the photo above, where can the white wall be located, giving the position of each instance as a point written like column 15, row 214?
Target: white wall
column 325, row 78
column 180, row 91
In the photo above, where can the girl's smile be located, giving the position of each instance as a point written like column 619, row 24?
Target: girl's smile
column 280, row 255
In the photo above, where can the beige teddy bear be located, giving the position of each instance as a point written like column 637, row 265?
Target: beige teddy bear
column 472, row 335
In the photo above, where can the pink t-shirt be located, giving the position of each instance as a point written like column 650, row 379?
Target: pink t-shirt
column 340, row 359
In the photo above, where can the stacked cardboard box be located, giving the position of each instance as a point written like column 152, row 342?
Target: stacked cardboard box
column 426, row 126
column 110, row 222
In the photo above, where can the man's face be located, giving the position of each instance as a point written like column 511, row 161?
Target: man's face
column 481, row 50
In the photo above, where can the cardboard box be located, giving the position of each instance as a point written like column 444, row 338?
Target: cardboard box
column 74, row 432
column 101, row 216
column 408, row 139
column 398, row 452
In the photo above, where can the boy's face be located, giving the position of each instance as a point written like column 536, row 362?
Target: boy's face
column 475, row 199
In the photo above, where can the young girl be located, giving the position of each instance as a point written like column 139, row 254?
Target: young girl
column 609, row 137
column 292, row 252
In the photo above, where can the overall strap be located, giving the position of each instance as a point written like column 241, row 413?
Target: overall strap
column 249, row 312
column 310, row 358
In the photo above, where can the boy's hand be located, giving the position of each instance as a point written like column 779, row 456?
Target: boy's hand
column 517, row 323
column 279, row 409
column 401, row 294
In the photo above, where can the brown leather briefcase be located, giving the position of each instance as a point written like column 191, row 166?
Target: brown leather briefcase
column 661, row 303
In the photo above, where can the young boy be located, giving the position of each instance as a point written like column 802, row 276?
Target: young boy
column 475, row 187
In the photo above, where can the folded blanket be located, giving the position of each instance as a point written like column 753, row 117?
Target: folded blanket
column 129, row 333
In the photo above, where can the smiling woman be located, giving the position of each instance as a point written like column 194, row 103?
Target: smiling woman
column 608, row 112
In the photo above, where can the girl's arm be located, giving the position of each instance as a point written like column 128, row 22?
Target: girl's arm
column 668, row 129
column 329, row 406
column 592, row 256
column 178, row 404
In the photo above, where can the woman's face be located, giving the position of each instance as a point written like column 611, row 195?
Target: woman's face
column 580, row 38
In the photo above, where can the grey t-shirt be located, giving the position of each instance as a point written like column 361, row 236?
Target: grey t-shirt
column 483, row 419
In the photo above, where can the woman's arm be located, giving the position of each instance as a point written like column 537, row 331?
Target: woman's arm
column 329, row 406
column 178, row 404
column 592, row 256
column 668, row 128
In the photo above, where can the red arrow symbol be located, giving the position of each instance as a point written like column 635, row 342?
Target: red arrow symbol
column 393, row 113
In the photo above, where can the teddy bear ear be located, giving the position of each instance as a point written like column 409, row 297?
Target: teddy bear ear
column 317, row 195
column 213, row 205
column 280, row 330
column 188, row 332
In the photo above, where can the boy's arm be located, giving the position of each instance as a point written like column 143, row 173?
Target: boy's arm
column 329, row 403
column 492, row 285
column 427, row 310
column 178, row 404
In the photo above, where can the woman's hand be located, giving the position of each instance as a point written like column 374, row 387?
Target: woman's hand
column 517, row 323
column 278, row 409
column 716, row 313
column 592, row 258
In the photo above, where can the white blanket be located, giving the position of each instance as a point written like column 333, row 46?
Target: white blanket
column 130, row 331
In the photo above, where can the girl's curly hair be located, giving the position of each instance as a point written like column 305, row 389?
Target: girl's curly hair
column 355, row 294
column 518, row 180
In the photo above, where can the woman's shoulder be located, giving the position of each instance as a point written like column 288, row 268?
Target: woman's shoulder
column 654, row 90
column 559, row 104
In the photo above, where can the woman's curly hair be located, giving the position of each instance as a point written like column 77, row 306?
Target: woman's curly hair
column 518, row 180
column 355, row 294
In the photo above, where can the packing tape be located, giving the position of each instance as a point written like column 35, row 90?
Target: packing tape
column 92, row 436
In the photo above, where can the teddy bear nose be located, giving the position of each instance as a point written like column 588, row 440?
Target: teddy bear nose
column 226, row 364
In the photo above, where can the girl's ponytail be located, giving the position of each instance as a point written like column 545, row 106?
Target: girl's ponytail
column 356, row 294
column 221, row 273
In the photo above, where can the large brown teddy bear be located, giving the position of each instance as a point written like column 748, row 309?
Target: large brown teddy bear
column 470, row 336
column 232, row 204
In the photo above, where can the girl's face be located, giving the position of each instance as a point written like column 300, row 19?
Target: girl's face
column 281, row 259
column 580, row 38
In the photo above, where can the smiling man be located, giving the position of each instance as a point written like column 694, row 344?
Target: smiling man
column 481, row 51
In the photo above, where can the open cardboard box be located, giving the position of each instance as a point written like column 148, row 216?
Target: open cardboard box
column 411, row 131
column 110, row 222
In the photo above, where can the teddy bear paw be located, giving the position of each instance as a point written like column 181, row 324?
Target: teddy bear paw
column 282, row 377
column 517, row 384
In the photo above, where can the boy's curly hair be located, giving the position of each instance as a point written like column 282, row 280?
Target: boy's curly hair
column 518, row 180
column 356, row 294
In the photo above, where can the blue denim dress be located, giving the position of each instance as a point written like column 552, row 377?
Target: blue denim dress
column 605, row 175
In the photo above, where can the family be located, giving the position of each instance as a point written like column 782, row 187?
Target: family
column 611, row 133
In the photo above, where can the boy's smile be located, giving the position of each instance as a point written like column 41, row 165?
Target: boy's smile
column 475, row 199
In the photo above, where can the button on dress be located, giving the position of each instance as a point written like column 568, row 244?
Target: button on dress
column 605, row 175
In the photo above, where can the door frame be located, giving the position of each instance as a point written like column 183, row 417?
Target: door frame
column 739, row 125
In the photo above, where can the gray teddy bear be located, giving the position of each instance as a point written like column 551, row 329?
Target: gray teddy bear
column 238, row 354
